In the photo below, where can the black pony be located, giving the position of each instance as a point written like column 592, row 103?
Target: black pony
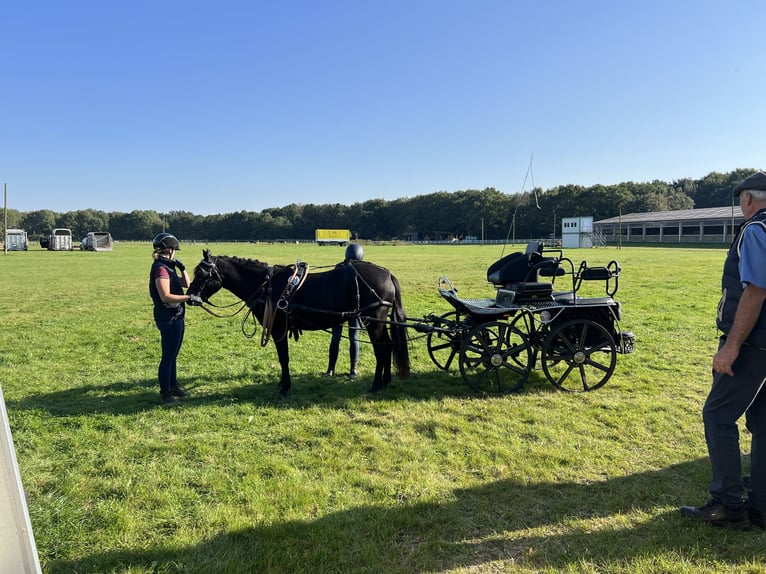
column 287, row 299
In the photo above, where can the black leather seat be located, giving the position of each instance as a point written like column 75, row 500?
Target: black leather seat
column 516, row 267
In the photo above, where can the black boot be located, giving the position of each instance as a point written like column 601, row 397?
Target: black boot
column 167, row 399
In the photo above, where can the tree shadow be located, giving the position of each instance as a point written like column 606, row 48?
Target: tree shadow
column 532, row 526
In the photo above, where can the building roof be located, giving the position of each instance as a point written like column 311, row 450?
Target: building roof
column 706, row 214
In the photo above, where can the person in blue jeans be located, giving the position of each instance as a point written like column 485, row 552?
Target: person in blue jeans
column 166, row 288
column 739, row 374
column 354, row 252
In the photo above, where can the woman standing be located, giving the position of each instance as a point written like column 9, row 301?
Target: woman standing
column 354, row 252
column 166, row 289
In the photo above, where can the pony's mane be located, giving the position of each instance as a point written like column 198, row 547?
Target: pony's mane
column 247, row 261
column 251, row 263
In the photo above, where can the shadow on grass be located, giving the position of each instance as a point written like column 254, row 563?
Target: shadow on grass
column 533, row 526
column 126, row 398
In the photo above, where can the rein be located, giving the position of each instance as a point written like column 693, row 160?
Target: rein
column 214, row 273
column 205, row 307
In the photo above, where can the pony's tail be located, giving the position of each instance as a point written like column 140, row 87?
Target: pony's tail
column 399, row 340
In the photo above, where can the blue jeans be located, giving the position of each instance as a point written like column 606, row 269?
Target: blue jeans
column 353, row 343
column 729, row 399
column 172, row 336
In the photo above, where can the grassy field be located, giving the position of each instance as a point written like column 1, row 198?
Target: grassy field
column 421, row 477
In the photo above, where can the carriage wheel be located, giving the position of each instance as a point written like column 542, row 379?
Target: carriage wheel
column 524, row 322
column 444, row 345
column 495, row 358
column 579, row 355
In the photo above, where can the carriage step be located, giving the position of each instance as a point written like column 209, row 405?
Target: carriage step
column 628, row 342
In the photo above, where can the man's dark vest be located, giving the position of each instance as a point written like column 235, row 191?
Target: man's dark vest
column 731, row 287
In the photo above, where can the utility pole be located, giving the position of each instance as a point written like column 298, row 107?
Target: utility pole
column 619, row 242
column 5, row 218
column 554, row 228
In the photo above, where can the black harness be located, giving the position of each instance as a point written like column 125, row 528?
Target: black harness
column 284, row 302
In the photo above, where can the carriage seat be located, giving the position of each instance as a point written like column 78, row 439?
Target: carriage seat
column 515, row 267
column 523, row 267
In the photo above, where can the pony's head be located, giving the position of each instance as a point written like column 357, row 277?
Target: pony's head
column 207, row 280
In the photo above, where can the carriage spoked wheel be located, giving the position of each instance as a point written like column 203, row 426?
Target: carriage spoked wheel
column 525, row 323
column 495, row 358
column 579, row 355
column 444, row 342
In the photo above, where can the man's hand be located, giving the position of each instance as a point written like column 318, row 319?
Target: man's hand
column 724, row 359
column 195, row 300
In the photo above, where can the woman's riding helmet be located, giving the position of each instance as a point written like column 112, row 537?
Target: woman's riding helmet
column 354, row 252
column 166, row 241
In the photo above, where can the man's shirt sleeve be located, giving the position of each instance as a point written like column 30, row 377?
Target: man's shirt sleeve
column 752, row 256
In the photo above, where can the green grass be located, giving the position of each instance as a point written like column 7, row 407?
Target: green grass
column 421, row 477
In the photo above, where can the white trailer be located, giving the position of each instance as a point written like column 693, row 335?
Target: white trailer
column 97, row 241
column 16, row 240
column 60, row 239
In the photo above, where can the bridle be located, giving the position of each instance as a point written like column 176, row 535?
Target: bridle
column 211, row 272
column 210, row 268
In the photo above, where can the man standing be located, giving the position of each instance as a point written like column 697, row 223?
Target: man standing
column 739, row 373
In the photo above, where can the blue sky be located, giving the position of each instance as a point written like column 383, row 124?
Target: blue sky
column 216, row 107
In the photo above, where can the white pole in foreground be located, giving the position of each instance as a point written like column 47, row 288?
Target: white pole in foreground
column 17, row 543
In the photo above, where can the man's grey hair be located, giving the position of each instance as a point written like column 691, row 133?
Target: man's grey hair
column 758, row 194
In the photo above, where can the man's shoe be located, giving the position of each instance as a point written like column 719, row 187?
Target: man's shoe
column 328, row 374
column 757, row 517
column 178, row 392
column 715, row 513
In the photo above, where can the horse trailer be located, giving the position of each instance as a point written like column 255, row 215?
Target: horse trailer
column 97, row 241
column 60, row 239
column 16, row 240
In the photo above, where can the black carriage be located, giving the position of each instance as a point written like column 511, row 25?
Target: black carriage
column 530, row 323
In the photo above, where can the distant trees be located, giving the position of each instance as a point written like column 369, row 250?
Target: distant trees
column 458, row 214
column 38, row 223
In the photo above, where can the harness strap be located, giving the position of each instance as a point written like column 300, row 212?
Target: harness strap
column 268, row 321
column 294, row 283
column 284, row 302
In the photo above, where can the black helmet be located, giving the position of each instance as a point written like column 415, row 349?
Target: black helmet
column 166, row 241
column 354, row 252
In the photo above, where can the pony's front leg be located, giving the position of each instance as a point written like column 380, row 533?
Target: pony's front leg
column 284, row 363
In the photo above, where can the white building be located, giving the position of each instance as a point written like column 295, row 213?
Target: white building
column 577, row 232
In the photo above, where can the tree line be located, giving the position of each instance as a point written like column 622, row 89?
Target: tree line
column 482, row 214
